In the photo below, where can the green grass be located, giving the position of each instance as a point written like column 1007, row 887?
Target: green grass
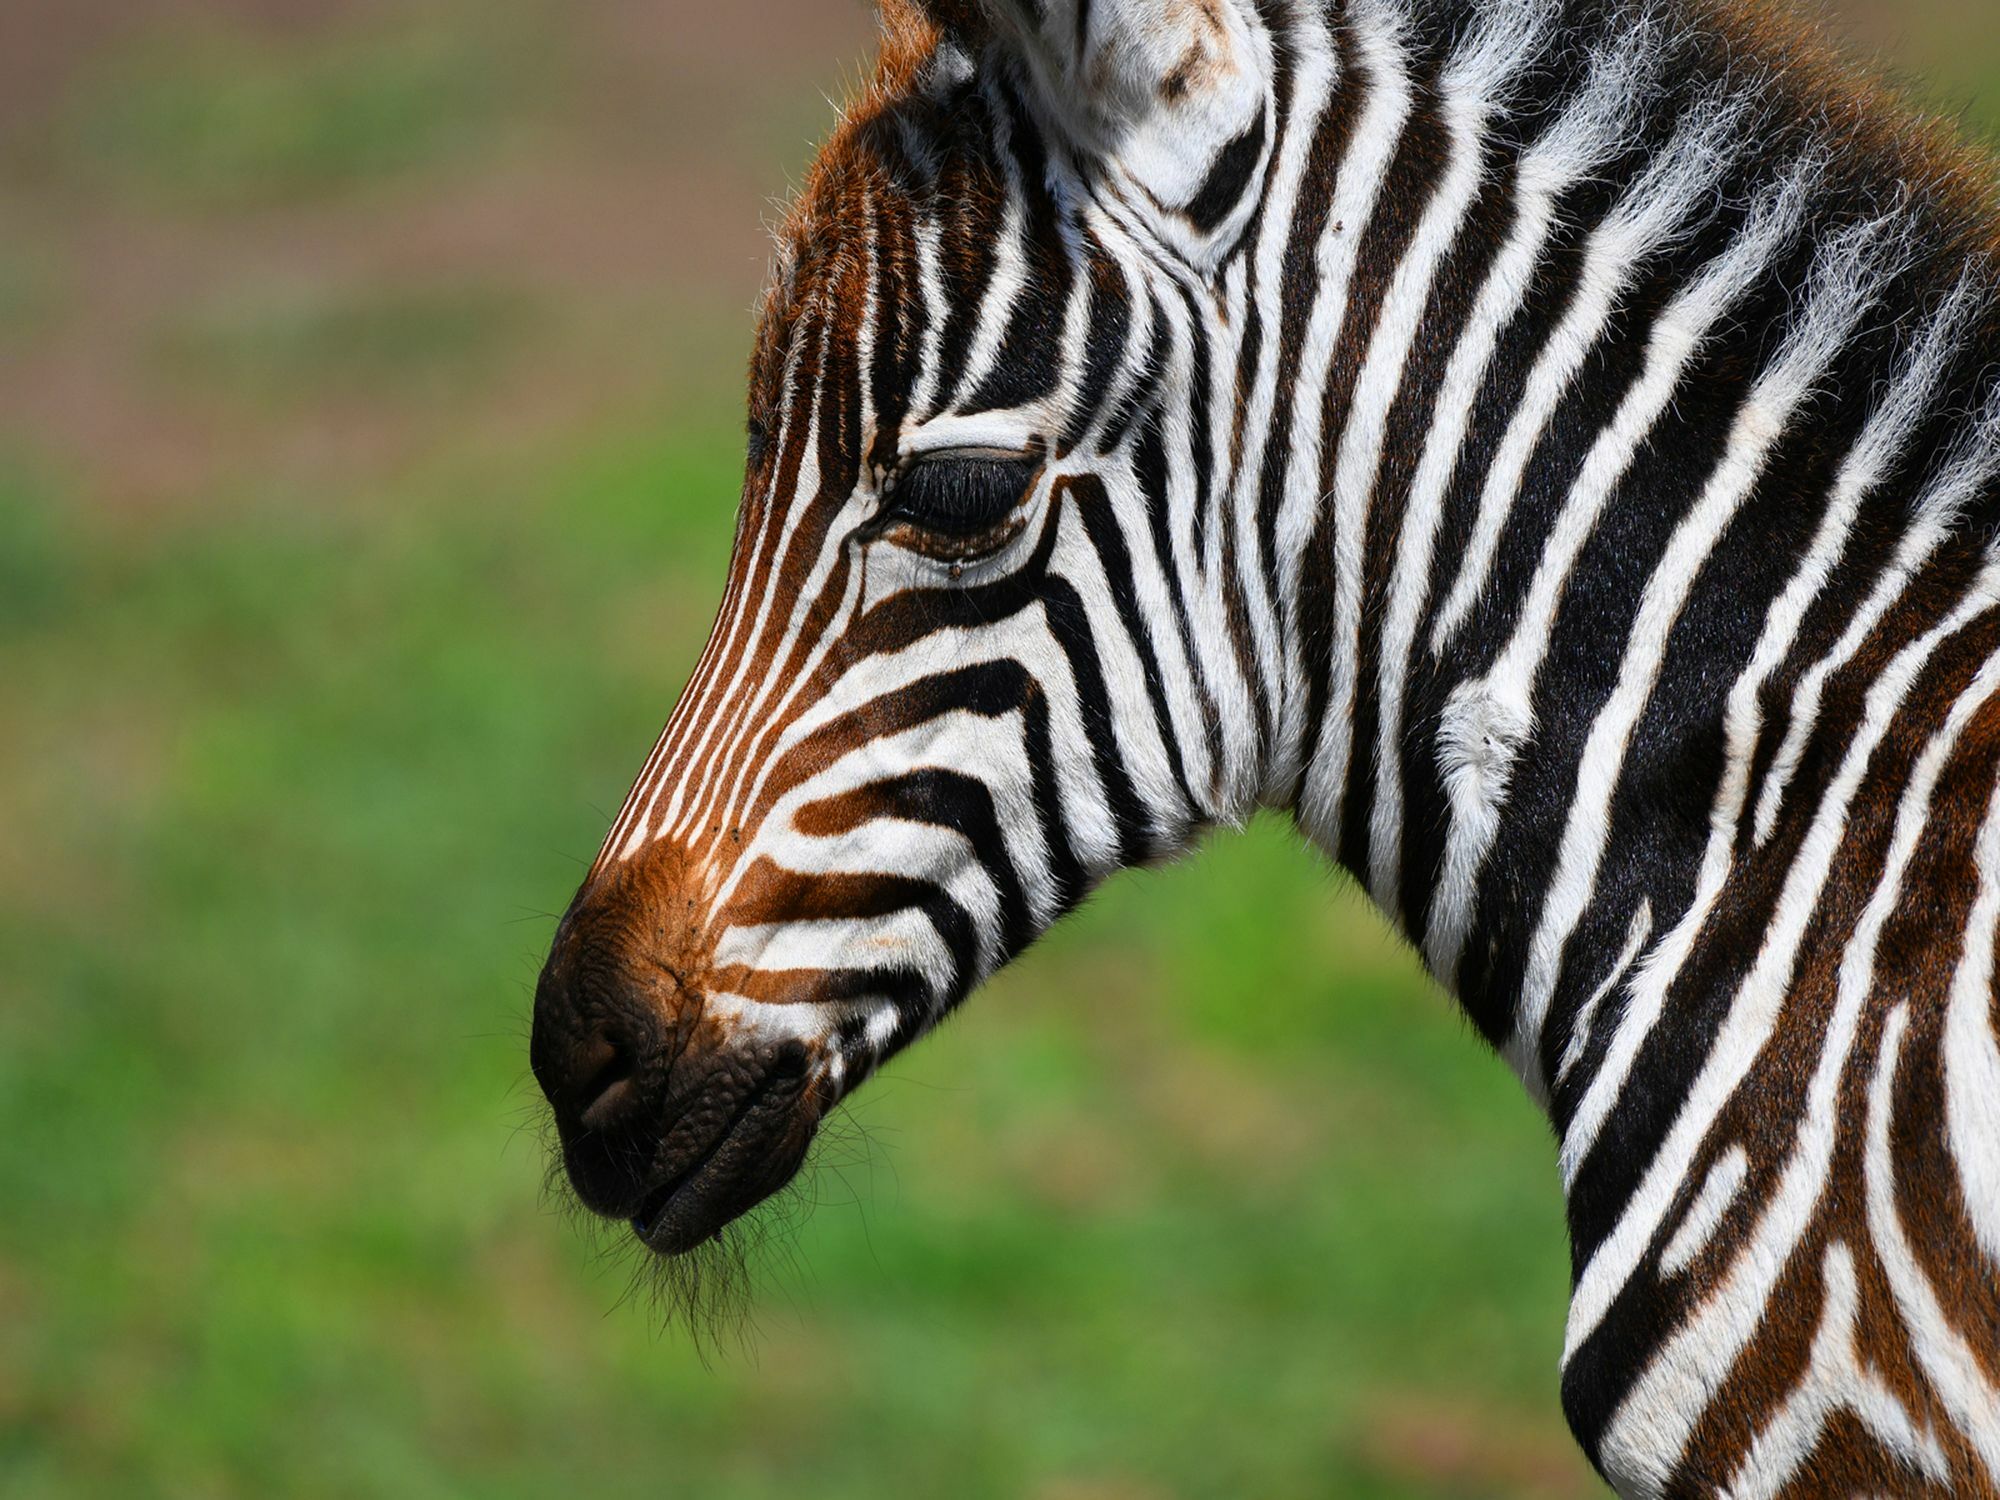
column 1211, row 1195
column 277, row 345
column 1202, row 1199
column 224, row 118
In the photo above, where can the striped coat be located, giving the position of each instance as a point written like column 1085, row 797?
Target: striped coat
column 1549, row 447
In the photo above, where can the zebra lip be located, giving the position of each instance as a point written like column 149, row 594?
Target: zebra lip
column 690, row 1207
column 649, row 1219
column 654, row 1207
column 755, row 1154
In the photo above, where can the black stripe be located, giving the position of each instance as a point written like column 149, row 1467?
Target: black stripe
column 1228, row 180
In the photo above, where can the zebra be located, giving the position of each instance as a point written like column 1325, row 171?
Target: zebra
column 1549, row 448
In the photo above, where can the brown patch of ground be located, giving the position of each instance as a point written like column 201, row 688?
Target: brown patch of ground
column 623, row 196
column 1103, row 1488
column 1076, row 1166
column 1923, row 36
column 44, row 44
column 1455, row 1449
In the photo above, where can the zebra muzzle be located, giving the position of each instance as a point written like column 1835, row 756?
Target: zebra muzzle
column 666, row 1116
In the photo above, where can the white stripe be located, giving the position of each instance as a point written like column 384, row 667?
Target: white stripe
column 1954, row 1370
column 1704, row 1215
column 1972, row 1052
column 903, row 939
column 1314, row 69
column 751, row 775
column 1882, row 441
column 1663, row 1406
column 1844, row 285
column 1137, row 735
column 1753, row 1012
column 1586, row 1016
column 1151, row 582
column 1588, row 133
column 931, row 297
column 1010, row 269
column 1359, row 181
column 1469, row 92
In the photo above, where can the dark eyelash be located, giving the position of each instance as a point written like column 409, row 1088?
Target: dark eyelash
column 961, row 497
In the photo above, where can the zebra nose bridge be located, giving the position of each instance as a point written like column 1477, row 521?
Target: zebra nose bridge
column 673, row 794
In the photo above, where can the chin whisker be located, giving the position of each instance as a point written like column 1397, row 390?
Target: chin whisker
column 714, row 1294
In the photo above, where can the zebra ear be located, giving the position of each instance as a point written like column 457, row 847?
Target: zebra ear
column 1172, row 98
column 961, row 20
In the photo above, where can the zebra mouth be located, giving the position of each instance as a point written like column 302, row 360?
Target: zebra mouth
column 663, row 1222
column 653, row 1209
column 756, row 1154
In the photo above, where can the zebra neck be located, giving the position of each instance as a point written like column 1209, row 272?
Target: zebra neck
column 1587, row 432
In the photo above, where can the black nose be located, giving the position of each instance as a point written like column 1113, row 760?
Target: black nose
column 596, row 1052
column 588, row 1080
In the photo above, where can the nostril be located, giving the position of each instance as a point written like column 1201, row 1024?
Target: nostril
column 791, row 1062
column 606, row 1068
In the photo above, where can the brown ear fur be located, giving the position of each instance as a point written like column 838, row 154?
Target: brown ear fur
column 955, row 18
column 912, row 31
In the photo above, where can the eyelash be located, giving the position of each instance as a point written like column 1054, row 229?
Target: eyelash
column 960, row 503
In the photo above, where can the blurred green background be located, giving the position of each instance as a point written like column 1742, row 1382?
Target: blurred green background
column 369, row 401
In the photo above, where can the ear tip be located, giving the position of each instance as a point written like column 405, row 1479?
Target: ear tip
column 952, row 17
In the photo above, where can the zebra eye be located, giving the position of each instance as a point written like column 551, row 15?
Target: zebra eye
column 961, row 498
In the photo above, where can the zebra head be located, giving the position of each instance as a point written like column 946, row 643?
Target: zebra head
column 978, row 647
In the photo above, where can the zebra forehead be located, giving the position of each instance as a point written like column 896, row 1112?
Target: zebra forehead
column 864, row 186
column 895, row 121
column 902, row 178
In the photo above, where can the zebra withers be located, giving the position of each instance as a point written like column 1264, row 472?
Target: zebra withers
column 1551, row 447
